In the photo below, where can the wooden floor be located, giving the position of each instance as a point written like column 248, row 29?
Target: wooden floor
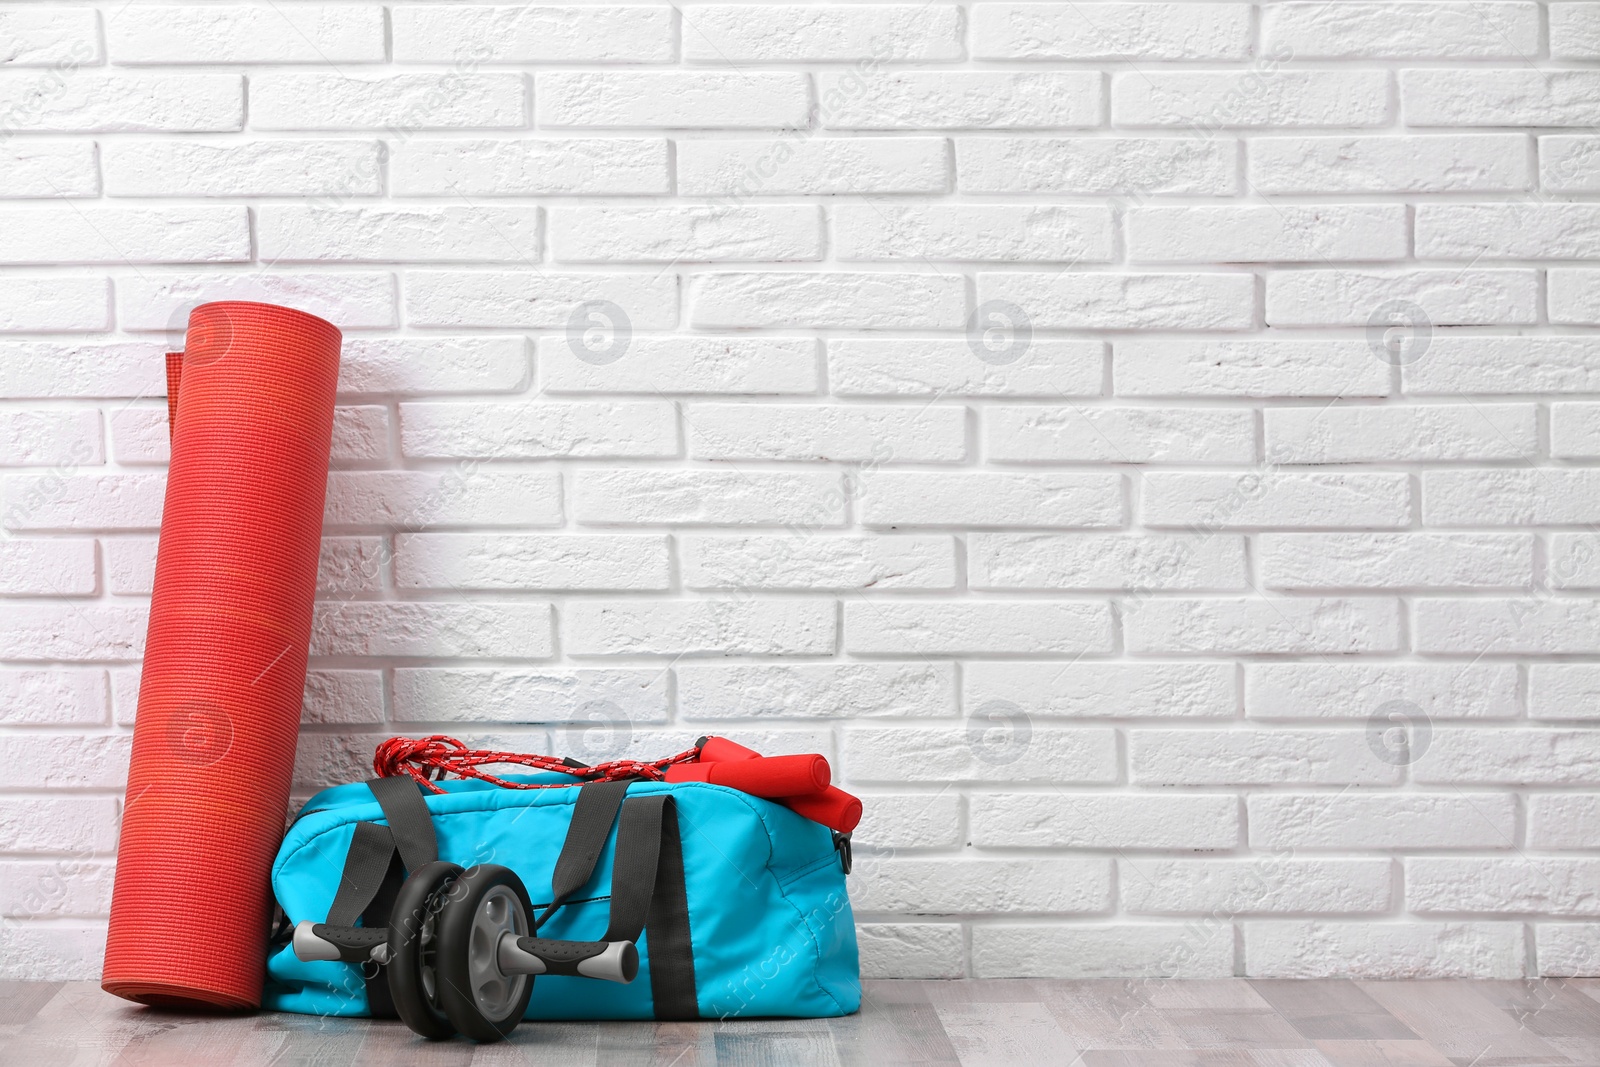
column 1237, row 1023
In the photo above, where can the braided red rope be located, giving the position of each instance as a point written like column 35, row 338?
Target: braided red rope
column 425, row 757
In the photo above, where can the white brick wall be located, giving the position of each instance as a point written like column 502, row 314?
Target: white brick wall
column 1153, row 448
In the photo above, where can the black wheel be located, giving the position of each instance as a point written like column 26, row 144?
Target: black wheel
column 413, row 944
column 482, row 905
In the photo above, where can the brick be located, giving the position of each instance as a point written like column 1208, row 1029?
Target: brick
column 225, row 33
column 569, row 166
column 1208, row 99
column 1105, row 561
column 941, row 367
column 1566, row 948
column 360, row 433
column 912, row 821
column 708, row 497
column 685, row 364
column 1563, row 821
column 140, row 435
column 1567, row 163
column 1359, row 690
column 1301, row 948
column 1476, row 163
column 1156, row 885
column 52, row 951
column 1468, row 365
column 801, row 166
column 60, row 37
column 328, row 101
column 1018, row 434
column 1560, row 691
column 1510, row 757
column 163, row 301
column 692, row 233
column 1402, row 30
column 1097, row 165
column 1574, row 297
column 288, row 233
column 676, row 98
column 1255, row 757
column 71, row 632
column 1264, row 625
column 1575, row 31
column 1509, row 231
column 815, row 691
column 806, row 33
column 1350, row 820
column 343, row 697
column 984, row 498
column 853, row 434
column 1494, row 884
column 1444, row 297
column 1183, row 822
column 1248, row 368
column 1395, row 561
column 787, row 561
column 1084, row 689
column 1055, row 233
column 1573, row 562
column 30, row 369
column 82, row 501
column 983, row 886
column 347, row 565
column 465, row 495
column 523, row 694
column 519, row 630
column 529, row 561
column 383, row 365
column 1118, row 950
column 1500, row 626
column 174, row 168
column 537, row 299
column 65, row 886
column 473, row 34
column 960, row 100
column 34, row 437
column 1317, row 232
column 1390, row 434
column 1118, row 301
column 1533, row 496
column 1276, row 498
column 46, row 567
column 48, row 169
column 698, row 628
column 538, row 429
column 100, row 102
column 911, row 950
column 55, row 303
column 1513, row 97
column 55, row 696
column 76, row 825
column 947, row 754
column 831, row 299
column 1110, row 31
column 975, row 627
column 124, row 235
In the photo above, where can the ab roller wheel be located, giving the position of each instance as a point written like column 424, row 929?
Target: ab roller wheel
column 483, row 905
column 413, row 950
column 460, row 952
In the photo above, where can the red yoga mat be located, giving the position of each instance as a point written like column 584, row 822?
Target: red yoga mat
column 225, row 660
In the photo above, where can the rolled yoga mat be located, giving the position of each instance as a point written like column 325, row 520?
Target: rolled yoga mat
column 225, row 660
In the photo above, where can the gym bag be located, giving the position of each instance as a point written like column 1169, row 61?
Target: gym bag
column 725, row 904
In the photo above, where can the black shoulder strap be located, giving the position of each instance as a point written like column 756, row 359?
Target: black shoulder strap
column 410, row 824
column 364, row 867
column 648, row 894
column 592, row 815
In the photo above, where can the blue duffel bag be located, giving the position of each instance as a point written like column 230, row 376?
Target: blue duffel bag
column 694, row 900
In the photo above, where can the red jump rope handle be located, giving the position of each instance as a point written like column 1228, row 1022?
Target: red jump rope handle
column 763, row 776
column 833, row 807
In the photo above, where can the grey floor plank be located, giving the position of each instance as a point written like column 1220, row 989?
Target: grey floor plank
column 897, row 1024
column 1413, row 1052
column 1463, row 1024
column 1006, row 1033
